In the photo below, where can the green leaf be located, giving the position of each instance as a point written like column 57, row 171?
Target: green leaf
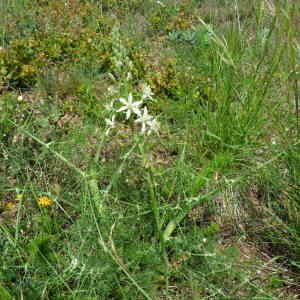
column 4, row 294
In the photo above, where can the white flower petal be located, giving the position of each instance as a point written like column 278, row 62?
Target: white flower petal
column 143, row 127
column 138, row 103
column 122, row 108
column 123, row 101
column 130, row 98
column 136, row 111
column 145, row 111
column 108, row 122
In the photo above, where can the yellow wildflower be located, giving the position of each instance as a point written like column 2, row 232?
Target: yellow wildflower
column 8, row 205
column 44, row 201
column 19, row 197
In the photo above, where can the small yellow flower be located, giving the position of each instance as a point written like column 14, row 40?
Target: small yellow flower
column 8, row 205
column 19, row 197
column 44, row 201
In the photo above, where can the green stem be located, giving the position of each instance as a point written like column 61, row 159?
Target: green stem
column 155, row 211
column 154, row 208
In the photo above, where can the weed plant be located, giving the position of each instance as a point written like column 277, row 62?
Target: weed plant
column 149, row 149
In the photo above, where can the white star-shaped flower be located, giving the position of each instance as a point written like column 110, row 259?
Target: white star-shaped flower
column 110, row 123
column 144, row 119
column 147, row 92
column 152, row 126
column 129, row 106
column 110, row 106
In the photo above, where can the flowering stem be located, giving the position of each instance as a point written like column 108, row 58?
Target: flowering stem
column 155, row 211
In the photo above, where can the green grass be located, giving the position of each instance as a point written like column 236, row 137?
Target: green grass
column 207, row 207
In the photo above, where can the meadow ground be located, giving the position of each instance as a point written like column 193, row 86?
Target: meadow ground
column 149, row 149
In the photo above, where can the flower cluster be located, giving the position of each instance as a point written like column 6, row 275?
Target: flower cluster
column 19, row 197
column 135, row 110
column 44, row 201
